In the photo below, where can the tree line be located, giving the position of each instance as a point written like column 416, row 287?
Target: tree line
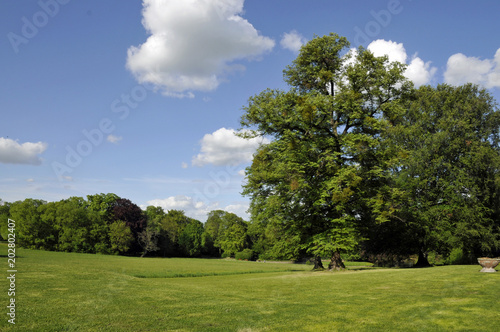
column 109, row 224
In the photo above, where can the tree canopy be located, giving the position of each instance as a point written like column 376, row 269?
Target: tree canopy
column 360, row 157
column 447, row 178
column 316, row 179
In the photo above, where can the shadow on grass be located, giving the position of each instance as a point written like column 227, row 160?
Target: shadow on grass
column 205, row 274
column 362, row 268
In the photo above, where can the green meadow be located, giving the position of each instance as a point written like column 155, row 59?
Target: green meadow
column 84, row 292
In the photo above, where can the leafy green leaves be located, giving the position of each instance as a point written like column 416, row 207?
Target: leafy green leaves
column 325, row 162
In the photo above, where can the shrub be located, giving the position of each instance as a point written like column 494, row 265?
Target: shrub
column 225, row 254
column 246, row 254
column 266, row 256
column 435, row 259
column 458, row 257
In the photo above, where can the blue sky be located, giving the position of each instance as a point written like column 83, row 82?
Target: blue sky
column 142, row 99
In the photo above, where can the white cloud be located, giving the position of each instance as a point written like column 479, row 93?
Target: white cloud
column 193, row 209
column 197, row 209
column 114, row 139
column 184, row 165
column 462, row 69
column 223, row 147
column 395, row 51
column 293, row 41
column 418, row 71
column 193, row 44
column 11, row 152
column 239, row 209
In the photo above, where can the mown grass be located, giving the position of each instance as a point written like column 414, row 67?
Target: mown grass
column 78, row 292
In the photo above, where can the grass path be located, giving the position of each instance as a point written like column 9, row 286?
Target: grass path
column 76, row 292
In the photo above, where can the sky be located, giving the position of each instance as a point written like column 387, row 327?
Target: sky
column 143, row 99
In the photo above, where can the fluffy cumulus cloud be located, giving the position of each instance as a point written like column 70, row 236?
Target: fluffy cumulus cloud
column 114, row 139
column 462, row 69
column 192, row 208
column 193, row 44
column 223, row 147
column 12, row 152
column 239, row 209
column 418, row 71
column 293, row 41
column 197, row 209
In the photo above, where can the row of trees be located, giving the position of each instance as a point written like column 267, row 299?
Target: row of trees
column 360, row 160
column 108, row 224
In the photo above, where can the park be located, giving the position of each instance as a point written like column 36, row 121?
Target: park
column 369, row 209
column 86, row 292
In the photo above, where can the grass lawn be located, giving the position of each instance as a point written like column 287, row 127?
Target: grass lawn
column 81, row 292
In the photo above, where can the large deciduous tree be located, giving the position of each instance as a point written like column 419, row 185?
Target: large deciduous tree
column 315, row 181
column 226, row 231
column 448, row 178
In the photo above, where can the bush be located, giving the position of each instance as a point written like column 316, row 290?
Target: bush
column 266, row 256
column 435, row 259
column 225, row 254
column 458, row 257
column 246, row 254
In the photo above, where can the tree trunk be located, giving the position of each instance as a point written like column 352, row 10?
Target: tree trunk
column 336, row 263
column 318, row 265
column 422, row 259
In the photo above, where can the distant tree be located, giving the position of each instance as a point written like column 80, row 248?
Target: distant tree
column 120, row 237
column 211, row 234
column 103, row 204
column 31, row 231
column 130, row 213
column 155, row 214
column 190, row 238
column 171, row 226
column 148, row 239
column 227, row 232
column 4, row 216
column 133, row 217
column 73, row 226
column 48, row 214
column 325, row 164
column 234, row 238
column 154, row 238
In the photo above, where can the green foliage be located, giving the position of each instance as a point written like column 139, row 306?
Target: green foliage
column 91, row 226
column 120, row 237
column 32, row 230
column 245, row 254
column 4, row 217
column 74, row 225
column 312, row 187
column 227, row 232
column 446, row 191
column 190, row 238
column 103, row 204
column 458, row 257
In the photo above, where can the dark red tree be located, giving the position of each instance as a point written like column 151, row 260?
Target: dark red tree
column 133, row 216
